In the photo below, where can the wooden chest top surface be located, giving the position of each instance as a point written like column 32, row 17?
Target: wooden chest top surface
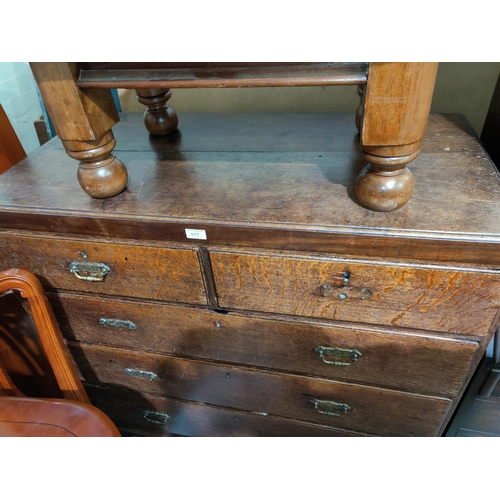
column 243, row 175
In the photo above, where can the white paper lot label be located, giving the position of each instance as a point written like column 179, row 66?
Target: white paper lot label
column 196, row 234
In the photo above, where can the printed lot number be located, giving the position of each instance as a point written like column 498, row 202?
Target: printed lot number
column 196, row 234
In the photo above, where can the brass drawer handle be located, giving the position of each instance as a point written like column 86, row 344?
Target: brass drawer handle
column 331, row 407
column 140, row 373
column 338, row 355
column 118, row 323
column 155, row 417
column 89, row 271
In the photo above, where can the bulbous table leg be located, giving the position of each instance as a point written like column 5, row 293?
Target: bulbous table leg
column 385, row 184
column 100, row 174
column 159, row 117
column 396, row 104
column 83, row 119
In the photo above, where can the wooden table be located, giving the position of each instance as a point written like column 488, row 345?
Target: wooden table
column 395, row 103
column 238, row 288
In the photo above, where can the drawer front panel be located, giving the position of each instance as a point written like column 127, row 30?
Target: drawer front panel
column 406, row 362
column 169, row 274
column 429, row 299
column 157, row 416
column 340, row 405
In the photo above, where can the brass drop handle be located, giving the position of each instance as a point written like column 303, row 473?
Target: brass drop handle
column 140, row 373
column 121, row 324
column 155, row 417
column 338, row 355
column 89, row 271
column 330, row 407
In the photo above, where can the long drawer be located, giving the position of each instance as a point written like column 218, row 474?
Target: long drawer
column 448, row 300
column 434, row 366
column 171, row 274
column 156, row 416
column 340, row 405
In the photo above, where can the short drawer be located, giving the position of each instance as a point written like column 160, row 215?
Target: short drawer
column 436, row 299
column 156, row 416
column 427, row 365
column 170, row 274
column 340, row 405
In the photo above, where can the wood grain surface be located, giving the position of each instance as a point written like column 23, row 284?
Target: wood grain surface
column 298, row 265
column 138, row 271
column 373, row 410
column 196, row 75
column 254, row 188
column 397, row 100
column 78, row 115
column 156, row 416
column 428, row 365
column 404, row 296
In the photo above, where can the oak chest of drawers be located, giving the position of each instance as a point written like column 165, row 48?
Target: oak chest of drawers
column 235, row 288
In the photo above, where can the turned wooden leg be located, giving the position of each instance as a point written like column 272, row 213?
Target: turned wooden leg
column 385, row 184
column 159, row 117
column 100, row 174
column 83, row 119
column 396, row 105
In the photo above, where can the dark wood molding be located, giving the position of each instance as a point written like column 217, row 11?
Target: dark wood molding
column 217, row 75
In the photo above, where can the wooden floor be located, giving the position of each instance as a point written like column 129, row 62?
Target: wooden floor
column 477, row 415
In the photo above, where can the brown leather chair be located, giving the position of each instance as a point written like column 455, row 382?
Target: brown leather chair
column 71, row 415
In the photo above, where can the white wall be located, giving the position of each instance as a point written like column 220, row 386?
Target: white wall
column 19, row 98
